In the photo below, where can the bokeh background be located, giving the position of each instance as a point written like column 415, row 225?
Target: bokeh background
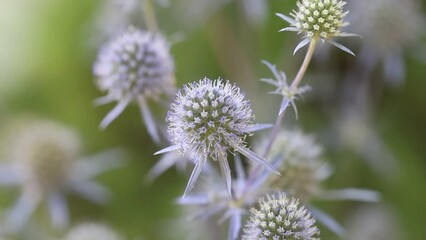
column 48, row 48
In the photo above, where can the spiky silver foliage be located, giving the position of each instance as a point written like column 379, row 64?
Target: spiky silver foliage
column 207, row 119
column 132, row 67
column 280, row 218
column 318, row 19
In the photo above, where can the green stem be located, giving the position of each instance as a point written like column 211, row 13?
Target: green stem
column 293, row 87
column 280, row 117
column 149, row 16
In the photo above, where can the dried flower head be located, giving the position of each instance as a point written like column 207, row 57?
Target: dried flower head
column 45, row 163
column 92, row 231
column 302, row 165
column 318, row 19
column 280, row 218
column 132, row 67
column 207, row 119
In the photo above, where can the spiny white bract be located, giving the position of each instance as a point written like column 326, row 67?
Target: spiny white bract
column 280, row 218
column 133, row 67
column 207, row 119
column 135, row 63
column 322, row 19
column 92, row 231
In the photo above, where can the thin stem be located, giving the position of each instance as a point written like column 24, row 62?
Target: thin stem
column 280, row 117
column 149, row 16
column 293, row 87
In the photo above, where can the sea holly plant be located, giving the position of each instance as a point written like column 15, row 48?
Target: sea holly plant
column 210, row 121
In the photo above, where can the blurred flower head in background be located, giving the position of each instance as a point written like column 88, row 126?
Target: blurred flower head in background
column 133, row 67
column 43, row 160
column 92, row 231
column 372, row 223
column 301, row 164
column 389, row 29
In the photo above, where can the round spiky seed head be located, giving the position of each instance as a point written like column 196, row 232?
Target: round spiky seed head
column 92, row 231
column 207, row 117
column 302, row 165
column 320, row 18
column 45, row 150
column 388, row 25
column 135, row 63
column 280, row 218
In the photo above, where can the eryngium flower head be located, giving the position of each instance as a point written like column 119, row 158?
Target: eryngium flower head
column 44, row 162
column 133, row 67
column 46, row 151
column 207, row 119
column 280, row 218
column 390, row 28
column 92, row 231
column 322, row 19
column 302, row 165
column 135, row 63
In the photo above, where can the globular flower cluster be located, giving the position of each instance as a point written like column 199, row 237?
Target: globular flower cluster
column 302, row 165
column 280, row 218
column 323, row 18
column 92, row 231
column 135, row 63
column 208, row 117
column 319, row 19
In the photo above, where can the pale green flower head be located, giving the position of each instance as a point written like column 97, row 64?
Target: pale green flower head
column 323, row 18
column 280, row 218
column 318, row 19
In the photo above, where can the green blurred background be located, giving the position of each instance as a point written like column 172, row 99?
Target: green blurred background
column 46, row 56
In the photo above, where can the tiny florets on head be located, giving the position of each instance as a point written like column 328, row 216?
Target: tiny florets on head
column 280, row 218
column 133, row 64
column 208, row 117
column 320, row 18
